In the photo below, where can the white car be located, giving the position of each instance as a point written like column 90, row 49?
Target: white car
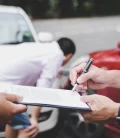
column 16, row 28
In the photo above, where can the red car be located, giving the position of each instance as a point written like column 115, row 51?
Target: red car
column 109, row 60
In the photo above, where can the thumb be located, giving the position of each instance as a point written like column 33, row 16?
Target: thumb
column 17, row 108
column 84, row 77
column 12, row 97
column 86, row 99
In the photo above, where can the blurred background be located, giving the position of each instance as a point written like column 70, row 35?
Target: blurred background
column 66, row 8
column 87, row 22
column 93, row 25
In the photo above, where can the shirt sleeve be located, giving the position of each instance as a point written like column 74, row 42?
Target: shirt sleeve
column 50, row 70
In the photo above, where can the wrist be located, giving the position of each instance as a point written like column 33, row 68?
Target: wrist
column 36, row 112
column 34, row 117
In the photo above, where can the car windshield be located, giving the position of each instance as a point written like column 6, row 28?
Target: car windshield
column 14, row 29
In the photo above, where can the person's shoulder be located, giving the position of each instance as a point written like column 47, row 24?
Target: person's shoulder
column 56, row 48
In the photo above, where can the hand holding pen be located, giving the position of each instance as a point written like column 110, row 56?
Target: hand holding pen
column 85, row 70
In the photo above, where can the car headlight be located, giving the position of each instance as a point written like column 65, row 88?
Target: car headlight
column 45, row 37
column 44, row 116
column 80, row 60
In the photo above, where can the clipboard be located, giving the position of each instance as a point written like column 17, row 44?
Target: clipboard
column 46, row 97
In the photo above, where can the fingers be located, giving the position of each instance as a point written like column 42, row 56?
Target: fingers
column 82, row 87
column 91, row 117
column 87, row 117
column 12, row 97
column 73, row 76
column 88, row 98
column 32, row 131
column 16, row 108
column 29, row 128
column 75, row 71
column 84, row 77
column 81, row 90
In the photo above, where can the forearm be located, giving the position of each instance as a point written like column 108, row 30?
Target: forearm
column 36, row 112
column 113, row 78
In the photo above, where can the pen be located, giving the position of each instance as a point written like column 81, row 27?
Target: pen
column 85, row 70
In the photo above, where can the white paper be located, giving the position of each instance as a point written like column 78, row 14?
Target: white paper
column 46, row 96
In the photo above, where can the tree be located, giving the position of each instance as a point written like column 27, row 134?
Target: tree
column 66, row 8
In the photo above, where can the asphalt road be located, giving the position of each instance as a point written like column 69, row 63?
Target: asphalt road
column 89, row 34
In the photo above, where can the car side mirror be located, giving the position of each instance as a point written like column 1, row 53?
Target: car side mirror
column 45, row 37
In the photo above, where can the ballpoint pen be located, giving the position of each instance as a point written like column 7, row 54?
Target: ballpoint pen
column 85, row 70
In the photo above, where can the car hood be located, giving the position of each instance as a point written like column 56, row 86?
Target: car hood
column 26, row 43
column 111, row 54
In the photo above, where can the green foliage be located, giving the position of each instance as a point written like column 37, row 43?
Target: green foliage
column 67, row 8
